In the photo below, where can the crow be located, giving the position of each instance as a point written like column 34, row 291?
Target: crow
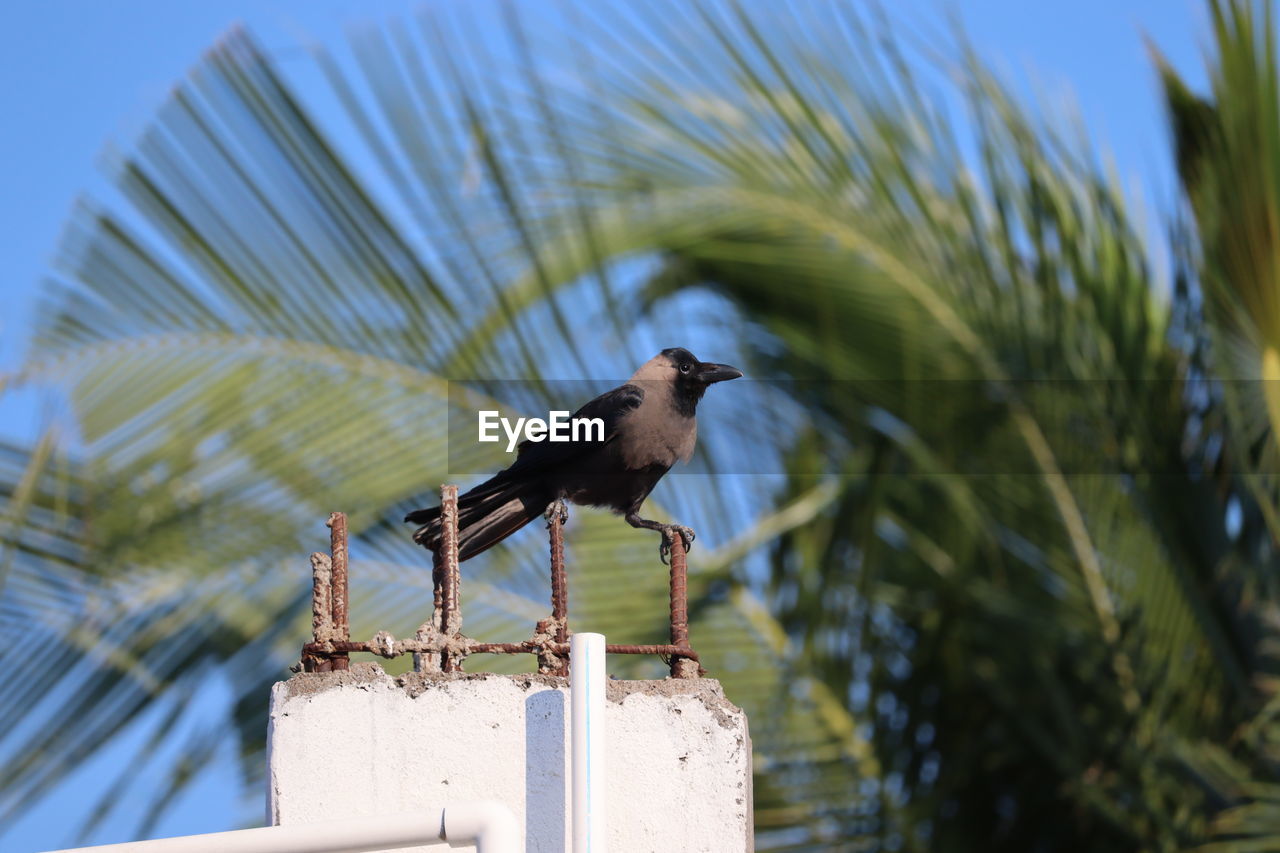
column 649, row 423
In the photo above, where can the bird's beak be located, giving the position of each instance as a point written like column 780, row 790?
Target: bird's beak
column 709, row 372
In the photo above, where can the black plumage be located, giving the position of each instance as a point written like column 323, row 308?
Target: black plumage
column 649, row 424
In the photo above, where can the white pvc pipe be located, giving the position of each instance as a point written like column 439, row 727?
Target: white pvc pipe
column 490, row 824
column 587, row 684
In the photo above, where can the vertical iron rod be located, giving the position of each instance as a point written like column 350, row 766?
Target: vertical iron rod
column 321, row 611
column 450, row 603
column 559, row 587
column 681, row 667
column 338, row 585
column 437, row 584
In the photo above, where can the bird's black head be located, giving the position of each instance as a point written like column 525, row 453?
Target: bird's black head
column 691, row 377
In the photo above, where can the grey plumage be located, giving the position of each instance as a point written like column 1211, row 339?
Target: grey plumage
column 650, row 424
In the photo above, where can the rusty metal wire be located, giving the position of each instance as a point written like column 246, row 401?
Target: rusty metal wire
column 386, row 646
column 439, row 645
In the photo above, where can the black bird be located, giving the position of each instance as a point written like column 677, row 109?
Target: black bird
column 649, row 423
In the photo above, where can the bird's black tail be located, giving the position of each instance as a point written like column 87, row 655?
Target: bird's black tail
column 486, row 516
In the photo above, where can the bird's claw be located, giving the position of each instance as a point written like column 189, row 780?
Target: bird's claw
column 668, row 533
column 557, row 510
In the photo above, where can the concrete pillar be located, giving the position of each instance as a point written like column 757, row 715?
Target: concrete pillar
column 360, row 742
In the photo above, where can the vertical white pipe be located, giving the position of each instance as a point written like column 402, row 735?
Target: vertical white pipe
column 587, row 684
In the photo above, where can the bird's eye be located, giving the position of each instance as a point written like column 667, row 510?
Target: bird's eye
column 686, row 367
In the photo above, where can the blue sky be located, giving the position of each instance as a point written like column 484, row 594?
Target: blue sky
column 82, row 76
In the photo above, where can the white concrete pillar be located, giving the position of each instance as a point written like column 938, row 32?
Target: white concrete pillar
column 360, row 742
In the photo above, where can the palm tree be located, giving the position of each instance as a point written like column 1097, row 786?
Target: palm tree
column 971, row 577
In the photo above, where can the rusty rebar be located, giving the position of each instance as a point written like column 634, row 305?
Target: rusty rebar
column 451, row 605
column 425, row 649
column 681, row 665
column 395, row 648
column 437, row 585
column 439, row 645
column 559, row 592
column 321, row 611
column 338, row 583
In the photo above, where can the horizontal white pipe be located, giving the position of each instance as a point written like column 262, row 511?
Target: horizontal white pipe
column 490, row 824
column 586, row 684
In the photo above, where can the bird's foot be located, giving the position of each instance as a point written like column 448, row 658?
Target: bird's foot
column 557, row 510
column 669, row 532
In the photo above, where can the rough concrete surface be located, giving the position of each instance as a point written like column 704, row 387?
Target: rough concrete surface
column 678, row 755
